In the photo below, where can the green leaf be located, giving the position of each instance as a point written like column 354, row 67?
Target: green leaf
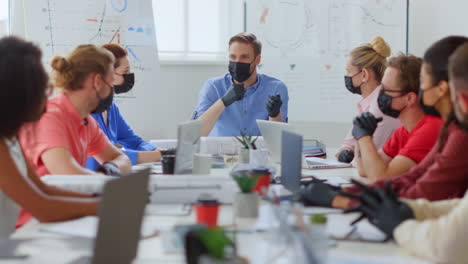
column 215, row 240
column 242, row 142
column 246, row 182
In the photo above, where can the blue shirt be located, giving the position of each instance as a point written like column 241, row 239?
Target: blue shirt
column 118, row 131
column 241, row 116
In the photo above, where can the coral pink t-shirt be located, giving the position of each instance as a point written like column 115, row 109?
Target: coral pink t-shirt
column 61, row 127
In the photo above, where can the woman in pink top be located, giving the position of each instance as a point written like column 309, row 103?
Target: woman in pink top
column 364, row 71
column 66, row 135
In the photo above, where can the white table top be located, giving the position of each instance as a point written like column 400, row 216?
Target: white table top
column 53, row 248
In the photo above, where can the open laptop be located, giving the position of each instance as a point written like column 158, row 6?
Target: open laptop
column 271, row 132
column 121, row 213
column 291, row 165
column 188, row 136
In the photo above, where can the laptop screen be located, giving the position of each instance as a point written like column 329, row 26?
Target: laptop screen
column 291, row 161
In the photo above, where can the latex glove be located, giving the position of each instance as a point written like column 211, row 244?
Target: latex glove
column 381, row 207
column 365, row 125
column 346, row 156
column 274, row 105
column 109, row 168
column 234, row 93
column 317, row 193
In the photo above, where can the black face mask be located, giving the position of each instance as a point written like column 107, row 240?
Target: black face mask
column 349, row 84
column 385, row 105
column 240, row 71
column 427, row 109
column 127, row 85
column 104, row 103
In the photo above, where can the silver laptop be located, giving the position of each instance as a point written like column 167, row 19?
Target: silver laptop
column 291, row 165
column 188, row 137
column 271, row 132
column 121, row 213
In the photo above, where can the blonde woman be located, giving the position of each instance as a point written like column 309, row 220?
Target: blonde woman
column 364, row 71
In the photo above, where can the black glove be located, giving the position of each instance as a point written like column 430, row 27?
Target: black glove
column 346, row 156
column 365, row 125
column 235, row 93
column 381, row 207
column 109, row 168
column 274, row 105
column 318, row 193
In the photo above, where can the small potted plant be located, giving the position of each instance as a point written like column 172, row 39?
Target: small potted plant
column 248, row 144
column 246, row 201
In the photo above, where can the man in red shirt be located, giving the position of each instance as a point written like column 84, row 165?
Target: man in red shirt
column 412, row 141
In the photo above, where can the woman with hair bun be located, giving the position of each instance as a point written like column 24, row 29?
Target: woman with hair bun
column 364, row 71
column 66, row 135
column 24, row 91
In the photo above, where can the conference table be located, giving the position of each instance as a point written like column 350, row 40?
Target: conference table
column 47, row 247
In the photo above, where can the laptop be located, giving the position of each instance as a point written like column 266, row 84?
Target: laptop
column 120, row 213
column 291, row 165
column 271, row 132
column 188, row 136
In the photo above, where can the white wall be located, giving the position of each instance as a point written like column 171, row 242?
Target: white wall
column 178, row 88
column 431, row 20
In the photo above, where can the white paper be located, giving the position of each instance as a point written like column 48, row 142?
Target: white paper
column 339, row 226
column 87, row 227
column 349, row 258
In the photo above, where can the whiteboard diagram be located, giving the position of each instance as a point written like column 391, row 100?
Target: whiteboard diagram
column 58, row 26
column 306, row 44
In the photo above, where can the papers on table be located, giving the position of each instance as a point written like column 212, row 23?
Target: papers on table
column 350, row 258
column 87, row 227
column 338, row 227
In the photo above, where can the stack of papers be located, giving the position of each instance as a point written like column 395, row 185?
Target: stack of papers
column 314, row 151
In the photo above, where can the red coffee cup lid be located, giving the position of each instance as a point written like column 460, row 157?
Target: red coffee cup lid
column 207, row 200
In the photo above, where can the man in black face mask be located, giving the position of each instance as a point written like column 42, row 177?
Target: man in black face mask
column 413, row 140
column 231, row 104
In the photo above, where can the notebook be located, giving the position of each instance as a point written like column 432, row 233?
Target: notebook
column 318, row 163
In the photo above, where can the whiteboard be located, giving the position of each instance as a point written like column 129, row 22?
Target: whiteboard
column 306, row 44
column 60, row 25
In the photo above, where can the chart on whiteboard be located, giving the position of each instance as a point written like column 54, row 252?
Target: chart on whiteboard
column 306, row 44
column 59, row 26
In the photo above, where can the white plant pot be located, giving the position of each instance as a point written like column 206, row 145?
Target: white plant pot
column 258, row 157
column 246, row 205
column 244, row 156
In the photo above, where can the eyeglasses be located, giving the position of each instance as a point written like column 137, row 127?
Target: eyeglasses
column 394, row 91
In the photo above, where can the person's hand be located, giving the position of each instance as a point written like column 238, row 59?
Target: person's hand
column 274, row 105
column 346, row 156
column 365, row 125
column 381, row 207
column 317, row 193
column 234, row 93
column 109, row 168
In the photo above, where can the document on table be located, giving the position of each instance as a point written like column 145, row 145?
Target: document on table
column 350, row 258
column 338, row 227
column 87, row 227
